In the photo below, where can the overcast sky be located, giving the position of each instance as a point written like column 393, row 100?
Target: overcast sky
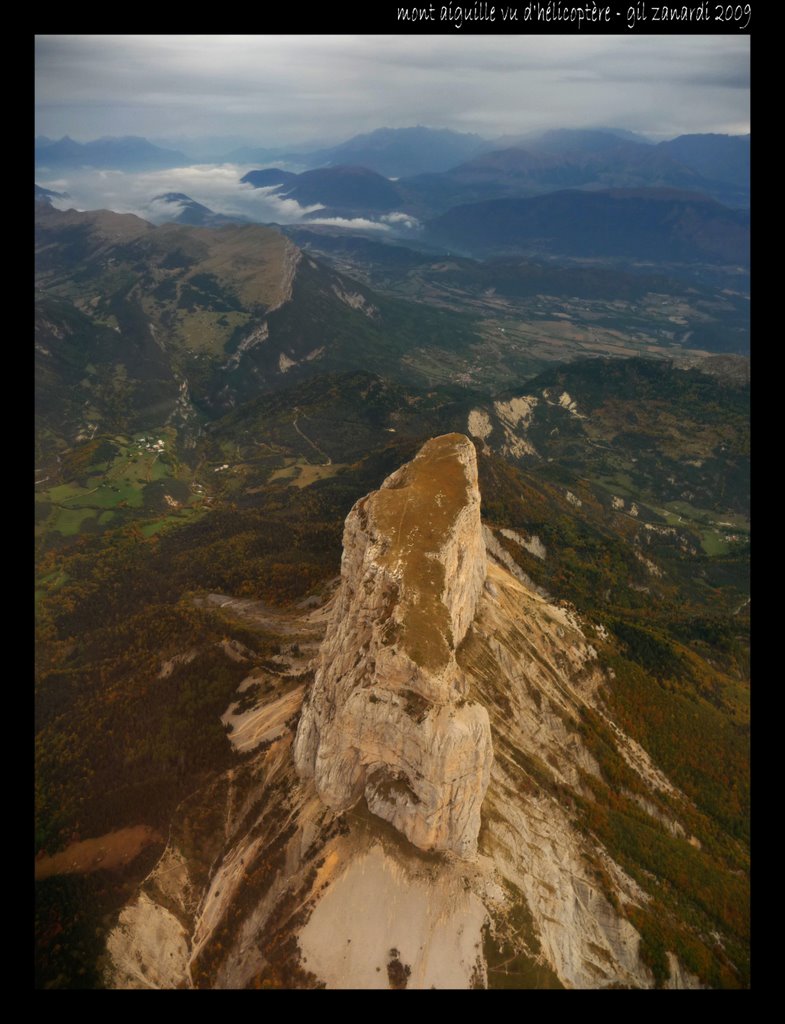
column 285, row 90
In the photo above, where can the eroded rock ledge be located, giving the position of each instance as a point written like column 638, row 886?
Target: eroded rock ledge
column 388, row 717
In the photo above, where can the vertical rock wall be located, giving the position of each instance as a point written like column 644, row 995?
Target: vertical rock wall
column 387, row 717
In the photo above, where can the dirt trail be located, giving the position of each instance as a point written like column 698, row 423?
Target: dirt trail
column 313, row 444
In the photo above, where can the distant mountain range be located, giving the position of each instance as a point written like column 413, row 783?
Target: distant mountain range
column 400, row 152
column 569, row 140
column 536, row 168
column 711, row 164
column 253, row 155
column 433, row 164
column 438, row 168
column 126, row 153
column 639, row 223
column 714, row 166
column 574, row 193
column 724, row 158
column 643, row 224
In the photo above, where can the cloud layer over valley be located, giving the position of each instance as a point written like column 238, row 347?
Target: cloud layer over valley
column 217, row 186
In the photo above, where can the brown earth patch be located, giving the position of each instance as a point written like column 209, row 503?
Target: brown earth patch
column 109, row 852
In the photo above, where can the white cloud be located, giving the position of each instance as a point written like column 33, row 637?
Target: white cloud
column 401, row 220
column 358, row 223
column 160, row 209
column 216, row 186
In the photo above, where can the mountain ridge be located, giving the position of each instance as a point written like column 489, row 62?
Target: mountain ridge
column 129, row 152
column 647, row 224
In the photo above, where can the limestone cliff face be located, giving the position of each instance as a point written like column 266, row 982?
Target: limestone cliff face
column 388, row 716
column 301, row 892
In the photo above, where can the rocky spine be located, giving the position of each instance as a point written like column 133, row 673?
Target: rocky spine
column 388, row 718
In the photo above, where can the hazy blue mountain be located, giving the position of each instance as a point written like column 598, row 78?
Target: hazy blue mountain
column 252, row 155
column 269, row 176
column 203, row 148
column 723, row 158
column 399, row 152
column 354, row 190
column 61, row 151
column 572, row 140
column 644, row 224
column 566, row 159
column 126, row 153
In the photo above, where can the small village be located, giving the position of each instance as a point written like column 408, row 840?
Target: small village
column 150, row 444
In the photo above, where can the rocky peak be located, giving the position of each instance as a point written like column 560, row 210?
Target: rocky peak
column 388, row 718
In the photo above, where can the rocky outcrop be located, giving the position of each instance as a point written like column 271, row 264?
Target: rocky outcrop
column 435, row 651
column 388, row 717
column 264, row 884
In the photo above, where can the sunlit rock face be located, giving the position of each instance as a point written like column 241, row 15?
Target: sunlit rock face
column 388, row 717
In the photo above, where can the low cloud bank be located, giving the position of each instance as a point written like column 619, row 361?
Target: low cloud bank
column 216, row 186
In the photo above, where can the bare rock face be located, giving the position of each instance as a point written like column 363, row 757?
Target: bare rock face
column 388, row 717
